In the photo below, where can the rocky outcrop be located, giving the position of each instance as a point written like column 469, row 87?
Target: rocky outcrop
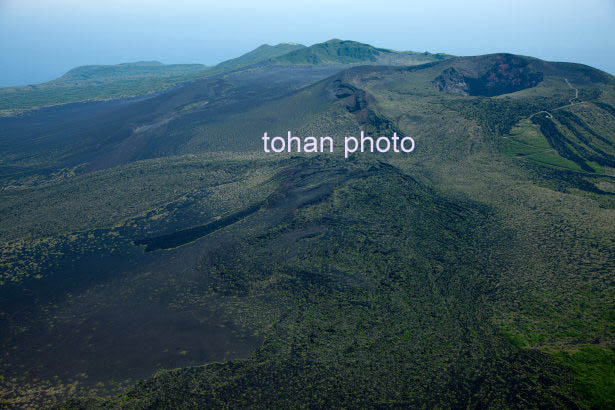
column 452, row 81
column 507, row 74
column 357, row 103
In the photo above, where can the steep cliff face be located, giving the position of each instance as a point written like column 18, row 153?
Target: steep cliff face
column 452, row 81
column 357, row 102
column 507, row 74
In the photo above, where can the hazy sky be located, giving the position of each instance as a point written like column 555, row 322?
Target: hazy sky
column 42, row 39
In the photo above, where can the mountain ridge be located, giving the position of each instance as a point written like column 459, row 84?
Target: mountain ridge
column 336, row 51
column 104, row 82
column 149, row 234
column 262, row 52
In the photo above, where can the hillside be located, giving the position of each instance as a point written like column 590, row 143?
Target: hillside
column 105, row 73
column 155, row 257
column 262, row 53
column 98, row 82
column 351, row 52
column 108, row 82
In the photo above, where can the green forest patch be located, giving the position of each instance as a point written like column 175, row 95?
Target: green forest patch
column 595, row 370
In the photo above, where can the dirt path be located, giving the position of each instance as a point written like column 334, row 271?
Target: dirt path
column 576, row 91
column 571, row 102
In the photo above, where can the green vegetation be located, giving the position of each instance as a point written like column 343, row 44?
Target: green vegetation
column 351, row 52
column 525, row 141
column 108, row 82
column 98, row 83
column 475, row 272
column 595, row 369
column 262, row 53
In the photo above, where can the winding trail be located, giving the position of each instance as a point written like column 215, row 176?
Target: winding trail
column 576, row 90
column 571, row 102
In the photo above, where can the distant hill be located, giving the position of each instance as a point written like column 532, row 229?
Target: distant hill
column 352, row 52
column 105, row 82
column 98, row 82
column 137, row 69
column 197, row 115
column 259, row 54
column 475, row 272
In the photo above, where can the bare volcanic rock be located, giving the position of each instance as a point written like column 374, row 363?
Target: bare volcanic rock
column 509, row 73
column 452, row 81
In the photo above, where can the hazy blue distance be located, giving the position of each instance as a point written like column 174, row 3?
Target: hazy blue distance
column 42, row 39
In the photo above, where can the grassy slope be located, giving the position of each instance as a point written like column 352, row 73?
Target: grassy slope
column 351, row 52
column 554, row 292
column 98, row 83
column 89, row 83
column 259, row 54
column 364, row 284
column 460, row 276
